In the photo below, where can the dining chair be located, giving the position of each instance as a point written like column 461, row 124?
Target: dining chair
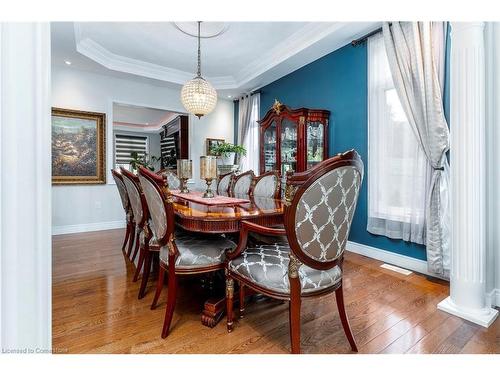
column 240, row 184
column 174, row 183
column 138, row 205
column 223, row 182
column 181, row 252
column 267, row 185
column 129, row 217
column 319, row 207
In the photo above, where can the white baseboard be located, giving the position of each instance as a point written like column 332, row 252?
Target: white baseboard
column 493, row 298
column 90, row 227
column 399, row 260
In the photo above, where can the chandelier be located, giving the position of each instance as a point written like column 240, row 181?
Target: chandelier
column 197, row 95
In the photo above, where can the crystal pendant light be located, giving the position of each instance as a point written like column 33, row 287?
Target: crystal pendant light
column 198, row 96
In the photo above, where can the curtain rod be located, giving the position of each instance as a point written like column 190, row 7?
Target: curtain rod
column 251, row 93
column 359, row 41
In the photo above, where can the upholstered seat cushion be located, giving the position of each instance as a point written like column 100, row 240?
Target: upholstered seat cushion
column 198, row 250
column 267, row 266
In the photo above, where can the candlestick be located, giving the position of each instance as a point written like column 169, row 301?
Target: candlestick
column 208, row 172
column 184, row 172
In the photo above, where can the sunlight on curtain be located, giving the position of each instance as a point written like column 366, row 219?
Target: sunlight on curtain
column 250, row 140
column 398, row 172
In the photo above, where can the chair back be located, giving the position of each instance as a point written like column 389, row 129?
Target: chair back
column 159, row 203
column 223, row 182
column 267, row 185
column 174, row 183
column 319, row 207
column 122, row 190
column 136, row 198
column 240, row 184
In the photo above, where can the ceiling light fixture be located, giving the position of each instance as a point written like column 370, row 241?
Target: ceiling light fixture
column 67, row 62
column 197, row 95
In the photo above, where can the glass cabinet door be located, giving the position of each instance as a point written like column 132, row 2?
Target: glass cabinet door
column 270, row 148
column 315, row 141
column 288, row 146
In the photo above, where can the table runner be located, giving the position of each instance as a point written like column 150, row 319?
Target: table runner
column 217, row 200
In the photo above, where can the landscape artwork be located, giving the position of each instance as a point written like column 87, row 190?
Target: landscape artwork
column 77, row 147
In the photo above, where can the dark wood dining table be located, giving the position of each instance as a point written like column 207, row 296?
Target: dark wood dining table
column 205, row 218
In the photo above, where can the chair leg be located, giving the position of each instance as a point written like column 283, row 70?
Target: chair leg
column 131, row 240
column 242, row 300
column 339, row 296
column 294, row 314
column 229, row 302
column 145, row 274
column 127, row 234
column 136, row 250
column 171, row 299
column 159, row 286
column 140, row 262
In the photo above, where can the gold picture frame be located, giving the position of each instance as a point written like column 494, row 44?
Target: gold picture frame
column 78, row 147
column 210, row 142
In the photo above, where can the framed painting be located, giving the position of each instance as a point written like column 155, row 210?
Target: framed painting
column 212, row 142
column 78, row 147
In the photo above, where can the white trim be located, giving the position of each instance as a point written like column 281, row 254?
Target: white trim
column 484, row 316
column 385, row 256
column 89, row 227
column 25, row 187
column 324, row 37
column 493, row 298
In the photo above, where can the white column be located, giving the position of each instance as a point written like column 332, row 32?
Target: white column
column 468, row 176
column 25, row 187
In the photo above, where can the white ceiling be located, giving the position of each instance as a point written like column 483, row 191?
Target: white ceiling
column 246, row 56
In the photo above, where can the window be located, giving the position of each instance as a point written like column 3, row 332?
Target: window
column 251, row 143
column 125, row 144
column 397, row 167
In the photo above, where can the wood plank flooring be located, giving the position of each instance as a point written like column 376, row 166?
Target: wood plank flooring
column 96, row 310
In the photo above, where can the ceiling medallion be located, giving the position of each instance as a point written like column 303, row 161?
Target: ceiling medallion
column 210, row 29
column 197, row 95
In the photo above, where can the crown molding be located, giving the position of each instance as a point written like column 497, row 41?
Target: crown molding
column 112, row 61
column 294, row 44
column 308, row 35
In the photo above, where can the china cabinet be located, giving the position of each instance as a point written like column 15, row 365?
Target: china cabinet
column 293, row 139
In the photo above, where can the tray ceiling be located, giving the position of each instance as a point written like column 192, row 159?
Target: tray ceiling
column 245, row 56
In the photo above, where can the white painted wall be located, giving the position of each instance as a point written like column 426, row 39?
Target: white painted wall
column 94, row 207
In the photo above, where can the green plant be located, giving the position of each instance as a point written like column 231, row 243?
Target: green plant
column 224, row 149
column 145, row 160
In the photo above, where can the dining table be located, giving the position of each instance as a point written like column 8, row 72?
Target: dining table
column 207, row 216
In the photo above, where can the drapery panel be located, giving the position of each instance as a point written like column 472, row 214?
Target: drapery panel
column 248, row 131
column 413, row 54
column 398, row 171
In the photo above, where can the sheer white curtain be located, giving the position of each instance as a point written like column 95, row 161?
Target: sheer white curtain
column 398, row 171
column 248, row 130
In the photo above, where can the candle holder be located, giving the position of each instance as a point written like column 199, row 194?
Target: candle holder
column 184, row 172
column 208, row 172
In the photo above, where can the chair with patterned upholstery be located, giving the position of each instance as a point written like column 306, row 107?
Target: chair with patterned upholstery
column 174, row 183
column 139, row 208
column 267, row 185
column 223, row 182
column 319, row 207
column 181, row 253
column 241, row 183
column 145, row 243
column 129, row 216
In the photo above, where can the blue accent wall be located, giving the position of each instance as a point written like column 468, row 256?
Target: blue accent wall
column 338, row 82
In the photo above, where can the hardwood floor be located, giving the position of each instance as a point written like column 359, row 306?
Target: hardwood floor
column 96, row 310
